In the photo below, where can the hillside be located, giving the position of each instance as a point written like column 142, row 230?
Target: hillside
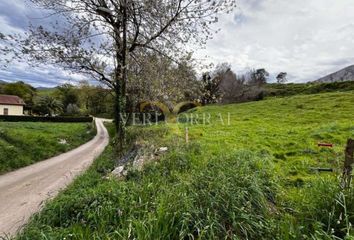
column 246, row 176
column 291, row 89
column 346, row 74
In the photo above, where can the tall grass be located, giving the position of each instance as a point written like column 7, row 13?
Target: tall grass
column 24, row 143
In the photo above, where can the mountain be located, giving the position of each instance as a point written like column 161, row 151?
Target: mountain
column 3, row 82
column 346, row 74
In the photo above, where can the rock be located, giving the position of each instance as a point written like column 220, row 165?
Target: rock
column 139, row 163
column 63, row 141
column 119, row 172
column 161, row 150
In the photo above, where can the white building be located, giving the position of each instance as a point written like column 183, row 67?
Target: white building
column 11, row 105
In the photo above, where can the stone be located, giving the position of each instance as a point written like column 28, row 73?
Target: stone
column 63, row 141
column 163, row 149
column 118, row 172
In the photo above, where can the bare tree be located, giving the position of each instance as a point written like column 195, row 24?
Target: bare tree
column 238, row 88
column 281, row 77
column 99, row 37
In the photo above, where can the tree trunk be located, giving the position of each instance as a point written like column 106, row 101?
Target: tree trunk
column 119, row 110
column 121, row 79
column 348, row 163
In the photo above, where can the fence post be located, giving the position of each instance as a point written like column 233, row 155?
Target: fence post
column 349, row 160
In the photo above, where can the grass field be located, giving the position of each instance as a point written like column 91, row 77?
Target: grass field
column 245, row 177
column 24, row 143
column 291, row 89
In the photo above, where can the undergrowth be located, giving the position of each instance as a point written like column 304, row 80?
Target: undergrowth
column 24, row 143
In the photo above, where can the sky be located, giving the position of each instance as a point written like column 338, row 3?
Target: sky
column 308, row 39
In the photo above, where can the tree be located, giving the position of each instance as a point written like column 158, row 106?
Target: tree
column 68, row 94
column 210, row 89
column 281, row 77
column 233, row 88
column 99, row 37
column 258, row 77
column 95, row 100
column 158, row 78
column 21, row 89
column 72, row 109
column 47, row 105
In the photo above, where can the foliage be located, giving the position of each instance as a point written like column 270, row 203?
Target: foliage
column 224, row 86
column 9, row 118
column 290, row 89
column 163, row 202
column 95, row 100
column 159, row 78
column 47, row 105
column 72, row 109
column 99, row 38
column 210, row 89
column 258, row 77
column 22, row 90
column 22, row 144
column 281, row 77
column 248, row 179
column 68, row 95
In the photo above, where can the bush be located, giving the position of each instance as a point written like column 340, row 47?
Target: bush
column 282, row 90
column 7, row 118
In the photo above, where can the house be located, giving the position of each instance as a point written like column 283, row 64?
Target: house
column 11, row 105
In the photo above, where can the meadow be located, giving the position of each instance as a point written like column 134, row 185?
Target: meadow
column 24, row 143
column 247, row 176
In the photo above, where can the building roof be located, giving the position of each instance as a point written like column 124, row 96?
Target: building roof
column 11, row 100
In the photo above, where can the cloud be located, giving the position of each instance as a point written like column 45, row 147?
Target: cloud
column 306, row 38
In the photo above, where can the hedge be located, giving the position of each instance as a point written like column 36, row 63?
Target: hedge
column 8, row 118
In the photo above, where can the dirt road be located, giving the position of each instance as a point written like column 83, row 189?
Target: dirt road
column 23, row 192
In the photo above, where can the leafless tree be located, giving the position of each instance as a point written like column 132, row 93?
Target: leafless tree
column 233, row 88
column 99, row 37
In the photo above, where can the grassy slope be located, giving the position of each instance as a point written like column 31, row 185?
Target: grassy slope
column 47, row 91
column 24, row 143
column 290, row 89
column 246, row 180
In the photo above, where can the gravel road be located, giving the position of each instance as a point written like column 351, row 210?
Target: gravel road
column 23, row 192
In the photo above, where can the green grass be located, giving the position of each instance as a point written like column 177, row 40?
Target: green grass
column 46, row 92
column 249, row 179
column 290, row 89
column 24, row 143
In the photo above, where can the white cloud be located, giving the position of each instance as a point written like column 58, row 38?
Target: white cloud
column 306, row 38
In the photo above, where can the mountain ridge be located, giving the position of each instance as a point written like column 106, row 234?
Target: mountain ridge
column 343, row 75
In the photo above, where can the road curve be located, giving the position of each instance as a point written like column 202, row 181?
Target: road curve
column 22, row 192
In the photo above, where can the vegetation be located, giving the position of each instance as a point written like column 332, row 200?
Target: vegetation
column 248, row 178
column 290, row 89
column 9, row 118
column 223, row 86
column 65, row 100
column 117, row 30
column 22, row 144
column 21, row 89
column 47, row 105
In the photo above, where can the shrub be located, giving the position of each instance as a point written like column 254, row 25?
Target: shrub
column 7, row 118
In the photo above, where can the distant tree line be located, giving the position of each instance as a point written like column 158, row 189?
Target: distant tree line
column 153, row 78
column 222, row 85
column 65, row 100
